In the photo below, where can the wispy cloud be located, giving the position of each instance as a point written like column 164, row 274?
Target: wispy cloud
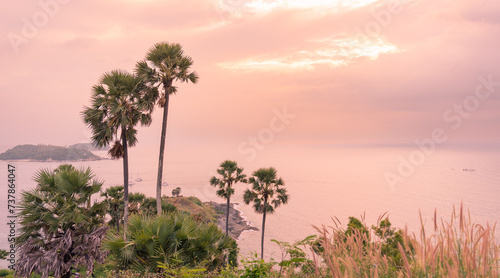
column 332, row 52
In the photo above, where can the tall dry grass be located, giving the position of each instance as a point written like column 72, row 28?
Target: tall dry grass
column 456, row 247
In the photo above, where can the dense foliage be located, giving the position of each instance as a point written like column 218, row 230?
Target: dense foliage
column 138, row 203
column 173, row 240
column 61, row 228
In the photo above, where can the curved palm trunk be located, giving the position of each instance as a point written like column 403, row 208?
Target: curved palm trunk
column 263, row 229
column 162, row 149
column 125, row 182
column 227, row 216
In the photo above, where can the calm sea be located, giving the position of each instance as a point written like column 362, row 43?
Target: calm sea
column 323, row 182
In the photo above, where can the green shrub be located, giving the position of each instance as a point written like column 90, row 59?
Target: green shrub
column 175, row 240
column 256, row 268
column 6, row 272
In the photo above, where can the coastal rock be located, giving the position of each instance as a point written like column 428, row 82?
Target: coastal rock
column 236, row 222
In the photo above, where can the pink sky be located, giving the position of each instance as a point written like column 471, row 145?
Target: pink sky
column 351, row 72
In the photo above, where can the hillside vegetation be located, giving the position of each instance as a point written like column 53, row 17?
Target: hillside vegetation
column 195, row 207
column 48, row 152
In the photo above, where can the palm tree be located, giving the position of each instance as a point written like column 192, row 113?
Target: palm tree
column 176, row 192
column 267, row 194
column 165, row 63
column 59, row 229
column 118, row 105
column 113, row 198
column 230, row 174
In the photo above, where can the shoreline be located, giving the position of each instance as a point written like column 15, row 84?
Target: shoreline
column 237, row 222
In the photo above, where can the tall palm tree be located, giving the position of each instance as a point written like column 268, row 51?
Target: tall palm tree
column 117, row 107
column 165, row 63
column 267, row 194
column 230, row 174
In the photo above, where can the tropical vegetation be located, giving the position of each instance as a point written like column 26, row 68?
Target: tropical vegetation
column 230, row 174
column 48, row 152
column 3, row 254
column 113, row 198
column 61, row 228
column 119, row 103
column 171, row 240
column 63, row 231
column 267, row 193
column 164, row 63
column 176, row 192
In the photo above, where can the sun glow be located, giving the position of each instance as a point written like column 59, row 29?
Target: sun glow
column 239, row 7
column 308, row 4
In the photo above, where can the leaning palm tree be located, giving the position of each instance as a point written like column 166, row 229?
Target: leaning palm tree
column 117, row 107
column 267, row 194
column 165, row 63
column 230, row 174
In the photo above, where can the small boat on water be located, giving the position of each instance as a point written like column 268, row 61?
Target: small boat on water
column 138, row 179
column 164, row 183
column 469, row 169
column 130, row 183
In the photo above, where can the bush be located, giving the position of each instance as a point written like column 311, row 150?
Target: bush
column 174, row 240
column 6, row 272
column 253, row 267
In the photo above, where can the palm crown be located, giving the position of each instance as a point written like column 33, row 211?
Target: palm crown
column 230, row 174
column 116, row 106
column 267, row 191
column 45, row 208
column 165, row 63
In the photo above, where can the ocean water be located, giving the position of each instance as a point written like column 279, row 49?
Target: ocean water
column 322, row 181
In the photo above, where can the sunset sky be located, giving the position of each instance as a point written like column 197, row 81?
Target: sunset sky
column 349, row 72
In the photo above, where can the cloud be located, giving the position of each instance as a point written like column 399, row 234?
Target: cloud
column 331, row 52
column 253, row 56
column 485, row 11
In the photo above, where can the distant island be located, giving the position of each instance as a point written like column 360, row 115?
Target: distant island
column 77, row 152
